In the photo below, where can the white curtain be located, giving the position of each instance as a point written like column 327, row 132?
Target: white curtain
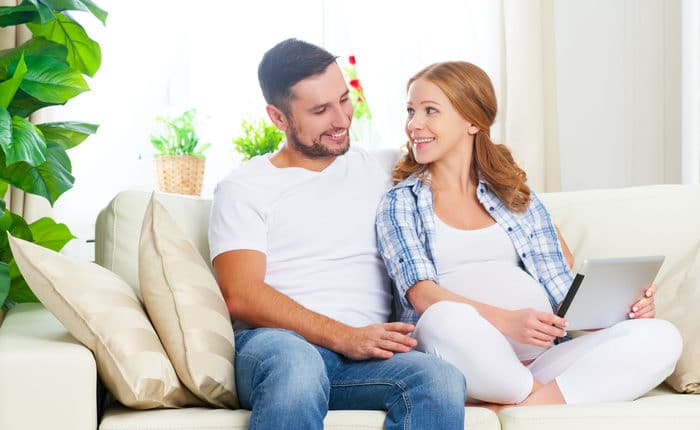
column 528, row 96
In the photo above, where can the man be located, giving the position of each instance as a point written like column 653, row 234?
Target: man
column 293, row 245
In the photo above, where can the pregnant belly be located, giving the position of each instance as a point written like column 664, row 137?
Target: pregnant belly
column 503, row 285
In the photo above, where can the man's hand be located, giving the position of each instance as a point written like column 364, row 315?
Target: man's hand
column 375, row 341
column 530, row 326
column 644, row 307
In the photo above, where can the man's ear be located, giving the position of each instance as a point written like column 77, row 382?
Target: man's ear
column 278, row 118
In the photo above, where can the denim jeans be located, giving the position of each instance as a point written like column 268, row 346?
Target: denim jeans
column 289, row 383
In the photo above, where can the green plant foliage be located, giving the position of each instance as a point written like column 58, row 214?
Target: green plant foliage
column 179, row 136
column 259, row 137
column 44, row 71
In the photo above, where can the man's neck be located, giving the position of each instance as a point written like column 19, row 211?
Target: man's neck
column 288, row 157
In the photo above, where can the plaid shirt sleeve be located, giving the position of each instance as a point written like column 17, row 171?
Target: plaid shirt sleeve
column 399, row 233
column 552, row 270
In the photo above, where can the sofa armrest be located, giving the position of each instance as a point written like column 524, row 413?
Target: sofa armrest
column 48, row 380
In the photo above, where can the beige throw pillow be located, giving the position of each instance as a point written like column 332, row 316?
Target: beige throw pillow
column 187, row 309
column 101, row 310
column 682, row 311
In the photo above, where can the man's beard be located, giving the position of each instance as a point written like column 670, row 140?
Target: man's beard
column 316, row 149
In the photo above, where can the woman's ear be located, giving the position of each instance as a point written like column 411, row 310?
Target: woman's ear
column 472, row 130
column 278, row 118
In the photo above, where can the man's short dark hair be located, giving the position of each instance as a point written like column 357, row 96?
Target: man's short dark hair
column 287, row 63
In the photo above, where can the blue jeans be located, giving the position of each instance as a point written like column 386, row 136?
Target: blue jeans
column 290, row 383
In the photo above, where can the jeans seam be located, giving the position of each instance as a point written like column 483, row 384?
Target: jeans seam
column 404, row 395
column 252, row 377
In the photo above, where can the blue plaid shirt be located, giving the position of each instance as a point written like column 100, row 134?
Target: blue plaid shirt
column 406, row 230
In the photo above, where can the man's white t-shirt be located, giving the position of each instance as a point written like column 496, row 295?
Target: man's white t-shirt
column 316, row 230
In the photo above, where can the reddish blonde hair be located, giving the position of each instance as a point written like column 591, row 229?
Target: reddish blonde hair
column 470, row 91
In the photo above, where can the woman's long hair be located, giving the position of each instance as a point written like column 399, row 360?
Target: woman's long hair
column 470, row 91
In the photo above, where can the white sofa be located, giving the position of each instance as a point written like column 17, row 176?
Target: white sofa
column 48, row 380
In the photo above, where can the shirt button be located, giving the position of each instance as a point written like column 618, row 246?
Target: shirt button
column 481, row 190
column 491, row 208
column 510, row 228
column 524, row 255
column 400, row 260
column 531, row 235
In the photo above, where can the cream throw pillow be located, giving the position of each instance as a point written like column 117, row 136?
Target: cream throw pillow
column 684, row 314
column 101, row 310
column 187, row 309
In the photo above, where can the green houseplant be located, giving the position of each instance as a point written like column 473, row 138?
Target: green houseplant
column 46, row 70
column 259, row 137
column 180, row 158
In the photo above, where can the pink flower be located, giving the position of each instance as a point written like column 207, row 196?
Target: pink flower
column 355, row 83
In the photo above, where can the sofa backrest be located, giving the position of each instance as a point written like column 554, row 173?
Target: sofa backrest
column 118, row 229
column 655, row 219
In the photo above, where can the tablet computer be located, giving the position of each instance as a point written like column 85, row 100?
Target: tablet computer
column 604, row 290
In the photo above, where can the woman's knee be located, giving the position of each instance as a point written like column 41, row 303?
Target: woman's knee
column 444, row 319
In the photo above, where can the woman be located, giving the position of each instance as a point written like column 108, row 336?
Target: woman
column 479, row 267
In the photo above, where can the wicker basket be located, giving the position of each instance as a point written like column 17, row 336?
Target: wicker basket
column 179, row 174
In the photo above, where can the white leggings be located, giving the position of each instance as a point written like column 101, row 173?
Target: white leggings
column 619, row 363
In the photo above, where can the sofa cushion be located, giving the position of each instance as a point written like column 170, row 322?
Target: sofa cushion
column 102, row 312
column 686, row 377
column 187, row 308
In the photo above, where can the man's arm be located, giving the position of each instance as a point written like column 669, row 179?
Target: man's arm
column 241, row 275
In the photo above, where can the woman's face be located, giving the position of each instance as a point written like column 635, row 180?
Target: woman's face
column 434, row 127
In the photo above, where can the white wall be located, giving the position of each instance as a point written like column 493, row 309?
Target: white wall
column 618, row 92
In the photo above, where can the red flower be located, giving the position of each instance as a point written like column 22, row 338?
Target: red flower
column 351, row 59
column 355, row 83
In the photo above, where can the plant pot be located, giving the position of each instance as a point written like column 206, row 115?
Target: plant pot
column 179, row 174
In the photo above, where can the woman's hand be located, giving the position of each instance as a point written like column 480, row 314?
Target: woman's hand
column 644, row 307
column 530, row 326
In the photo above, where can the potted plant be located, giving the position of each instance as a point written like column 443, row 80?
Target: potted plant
column 46, row 70
column 180, row 160
column 259, row 137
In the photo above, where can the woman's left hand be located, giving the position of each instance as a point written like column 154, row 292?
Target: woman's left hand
column 644, row 307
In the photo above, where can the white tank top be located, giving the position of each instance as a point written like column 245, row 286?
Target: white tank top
column 483, row 266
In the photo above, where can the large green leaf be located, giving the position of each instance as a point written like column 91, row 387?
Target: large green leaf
column 45, row 13
column 84, row 5
column 10, row 86
column 5, row 128
column 24, row 105
column 67, row 134
column 6, row 216
column 18, row 227
column 36, row 46
column 50, row 234
column 84, row 53
column 51, row 80
column 17, row 15
column 49, row 180
column 27, row 144
column 4, row 282
column 19, row 290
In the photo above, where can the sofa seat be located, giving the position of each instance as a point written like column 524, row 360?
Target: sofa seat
column 30, row 327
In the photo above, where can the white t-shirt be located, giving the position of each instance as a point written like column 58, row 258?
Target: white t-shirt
column 483, row 265
column 316, row 230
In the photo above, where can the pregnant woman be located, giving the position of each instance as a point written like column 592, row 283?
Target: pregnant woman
column 479, row 267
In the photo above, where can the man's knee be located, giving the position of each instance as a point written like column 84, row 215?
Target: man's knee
column 437, row 380
column 278, row 364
